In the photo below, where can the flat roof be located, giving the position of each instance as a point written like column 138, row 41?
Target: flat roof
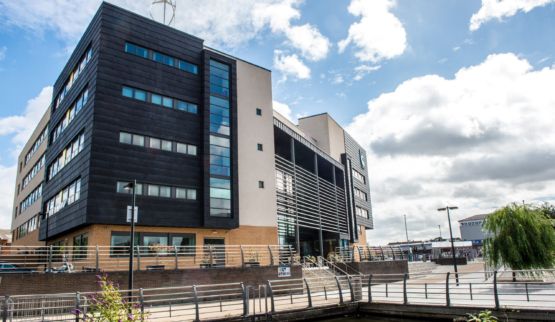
column 475, row 217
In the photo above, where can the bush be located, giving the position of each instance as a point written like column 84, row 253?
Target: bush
column 484, row 316
column 109, row 305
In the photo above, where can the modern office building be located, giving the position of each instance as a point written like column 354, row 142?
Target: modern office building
column 472, row 229
column 195, row 128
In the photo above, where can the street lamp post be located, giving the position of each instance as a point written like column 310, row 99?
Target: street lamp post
column 452, row 242
column 406, row 230
column 439, row 227
column 131, row 186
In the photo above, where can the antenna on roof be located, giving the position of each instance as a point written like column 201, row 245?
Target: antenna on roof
column 161, row 9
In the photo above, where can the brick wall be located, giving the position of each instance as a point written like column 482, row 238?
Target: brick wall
column 14, row 284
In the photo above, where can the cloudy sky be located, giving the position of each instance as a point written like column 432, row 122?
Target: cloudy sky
column 453, row 99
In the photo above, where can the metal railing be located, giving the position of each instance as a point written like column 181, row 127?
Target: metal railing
column 368, row 254
column 116, row 258
column 531, row 290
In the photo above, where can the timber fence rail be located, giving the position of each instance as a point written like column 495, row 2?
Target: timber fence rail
column 57, row 259
column 534, row 290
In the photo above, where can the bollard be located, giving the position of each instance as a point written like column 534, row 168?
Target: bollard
column 495, row 293
column 470, row 286
column 195, row 297
column 447, row 298
column 370, row 288
column 308, row 293
column 386, row 290
column 426, row 290
column 527, row 294
column 405, row 296
column 142, row 302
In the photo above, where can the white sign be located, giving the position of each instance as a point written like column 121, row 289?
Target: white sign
column 129, row 214
column 284, row 271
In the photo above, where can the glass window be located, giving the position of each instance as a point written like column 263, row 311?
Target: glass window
column 219, row 170
column 220, row 183
column 191, row 194
column 181, row 193
column 127, row 92
column 181, row 148
column 140, row 95
column 180, row 105
column 218, row 150
column 156, row 99
column 216, row 212
column 259, row 147
column 136, row 50
column 220, row 193
column 219, row 101
column 153, row 190
column 166, row 145
column 220, row 129
column 219, row 160
column 217, row 110
column 154, row 143
column 80, row 244
column 165, row 191
column 138, row 140
column 186, row 66
column 258, row 111
column 214, row 63
column 216, row 140
column 192, row 149
column 155, row 240
column 261, row 184
column 125, row 138
column 183, row 240
column 120, row 187
column 167, row 102
column 193, row 108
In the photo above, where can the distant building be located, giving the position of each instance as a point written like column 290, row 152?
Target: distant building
column 471, row 229
column 5, row 237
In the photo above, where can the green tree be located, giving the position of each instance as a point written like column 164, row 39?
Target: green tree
column 521, row 237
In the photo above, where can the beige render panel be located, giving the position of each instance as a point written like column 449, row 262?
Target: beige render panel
column 325, row 133
column 257, row 207
column 24, row 169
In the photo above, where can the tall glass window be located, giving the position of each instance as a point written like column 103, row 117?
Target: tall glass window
column 220, row 141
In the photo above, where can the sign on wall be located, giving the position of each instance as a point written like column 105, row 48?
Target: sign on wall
column 284, row 271
column 129, row 214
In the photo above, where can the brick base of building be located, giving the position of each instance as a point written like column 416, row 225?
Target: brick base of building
column 44, row 283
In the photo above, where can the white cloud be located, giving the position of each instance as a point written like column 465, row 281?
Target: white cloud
column 219, row 22
column 3, row 51
column 283, row 109
column 7, row 180
column 378, row 35
column 290, row 65
column 306, row 38
column 479, row 140
column 499, row 9
column 363, row 70
column 19, row 129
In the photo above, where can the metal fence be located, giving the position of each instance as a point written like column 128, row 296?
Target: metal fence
column 116, row 258
column 523, row 289
column 368, row 254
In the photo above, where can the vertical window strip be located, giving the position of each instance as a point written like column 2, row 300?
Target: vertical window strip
column 68, row 154
column 34, row 171
column 70, row 115
column 64, row 198
column 36, row 144
column 77, row 71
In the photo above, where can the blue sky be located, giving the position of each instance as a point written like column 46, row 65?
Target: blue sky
column 509, row 43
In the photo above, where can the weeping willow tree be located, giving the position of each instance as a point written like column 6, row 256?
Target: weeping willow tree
column 520, row 237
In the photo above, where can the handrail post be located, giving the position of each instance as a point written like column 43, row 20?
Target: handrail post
column 138, row 252
column 245, row 300
column 290, row 255
column 176, row 258
column 370, row 288
column 527, row 294
column 142, row 302
column 195, row 297
column 447, row 297
column 359, row 254
column 392, row 252
column 308, row 293
column 495, row 293
column 271, row 255
column 349, row 282
column 383, row 255
column 405, row 296
column 273, row 305
column 211, row 256
column 77, row 306
column 242, row 256
column 339, row 289
column 50, row 258
column 97, row 259
column 5, row 309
